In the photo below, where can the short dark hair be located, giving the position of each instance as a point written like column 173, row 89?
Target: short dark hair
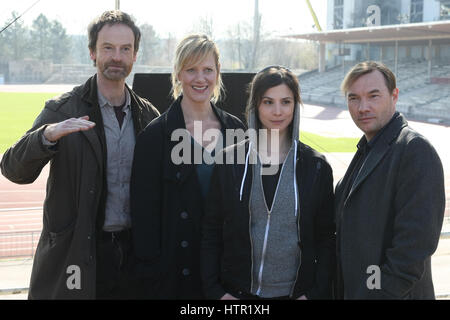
column 112, row 17
column 366, row 67
column 267, row 78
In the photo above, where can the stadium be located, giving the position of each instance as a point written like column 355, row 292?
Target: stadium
column 410, row 37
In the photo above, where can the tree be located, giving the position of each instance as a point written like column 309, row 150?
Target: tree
column 149, row 45
column 240, row 45
column 59, row 42
column 49, row 40
column 245, row 42
column 256, row 36
column 205, row 25
column 40, row 37
column 80, row 51
column 169, row 48
column 290, row 53
column 13, row 41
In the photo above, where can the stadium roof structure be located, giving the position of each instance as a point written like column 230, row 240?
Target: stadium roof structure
column 400, row 32
column 435, row 32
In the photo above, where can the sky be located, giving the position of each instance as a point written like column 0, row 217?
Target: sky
column 177, row 17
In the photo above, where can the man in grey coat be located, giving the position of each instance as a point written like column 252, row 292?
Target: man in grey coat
column 390, row 203
column 88, row 136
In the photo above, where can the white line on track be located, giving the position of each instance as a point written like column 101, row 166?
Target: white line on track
column 21, row 209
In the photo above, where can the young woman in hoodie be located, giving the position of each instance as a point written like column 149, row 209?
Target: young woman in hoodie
column 268, row 231
column 167, row 188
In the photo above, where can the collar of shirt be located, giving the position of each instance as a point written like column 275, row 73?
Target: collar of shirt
column 103, row 102
column 365, row 146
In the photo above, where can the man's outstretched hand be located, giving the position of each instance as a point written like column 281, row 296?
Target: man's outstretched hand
column 56, row 131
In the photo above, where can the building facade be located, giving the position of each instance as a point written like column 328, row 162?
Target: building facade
column 348, row 14
column 345, row 14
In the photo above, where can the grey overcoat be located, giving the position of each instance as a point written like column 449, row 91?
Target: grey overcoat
column 391, row 218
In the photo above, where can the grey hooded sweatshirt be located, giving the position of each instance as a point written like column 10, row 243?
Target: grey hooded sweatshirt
column 274, row 231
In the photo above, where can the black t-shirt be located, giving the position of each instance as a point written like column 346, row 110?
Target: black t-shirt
column 270, row 182
column 364, row 148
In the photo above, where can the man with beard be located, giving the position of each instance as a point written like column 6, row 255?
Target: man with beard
column 88, row 136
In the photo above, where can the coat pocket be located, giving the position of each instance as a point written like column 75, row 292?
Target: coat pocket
column 48, row 278
column 56, row 237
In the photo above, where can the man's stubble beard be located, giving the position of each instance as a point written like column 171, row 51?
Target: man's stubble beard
column 116, row 75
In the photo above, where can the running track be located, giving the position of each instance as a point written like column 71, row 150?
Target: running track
column 21, row 215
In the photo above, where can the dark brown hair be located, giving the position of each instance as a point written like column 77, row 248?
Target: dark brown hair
column 366, row 67
column 112, row 17
column 267, row 78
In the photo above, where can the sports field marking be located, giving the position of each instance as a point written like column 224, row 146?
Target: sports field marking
column 21, row 209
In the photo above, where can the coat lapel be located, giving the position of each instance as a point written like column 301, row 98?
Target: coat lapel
column 175, row 120
column 378, row 152
column 136, row 113
column 96, row 136
column 93, row 139
column 373, row 158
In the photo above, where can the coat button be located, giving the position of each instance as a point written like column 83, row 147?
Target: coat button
column 184, row 215
column 178, row 175
column 184, row 244
column 91, row 191
column 186, row 272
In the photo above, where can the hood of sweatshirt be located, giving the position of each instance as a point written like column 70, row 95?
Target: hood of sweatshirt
column 252, row 153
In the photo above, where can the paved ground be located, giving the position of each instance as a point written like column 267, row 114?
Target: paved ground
column 15, row 273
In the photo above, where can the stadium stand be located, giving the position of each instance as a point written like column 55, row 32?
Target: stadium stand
column 418, row 53
column 420, row 98
column 79, row 73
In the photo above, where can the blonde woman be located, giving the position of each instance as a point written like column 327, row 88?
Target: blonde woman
column 168, row 186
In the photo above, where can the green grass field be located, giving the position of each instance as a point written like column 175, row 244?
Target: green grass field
column 327, row 144
column 18, row 111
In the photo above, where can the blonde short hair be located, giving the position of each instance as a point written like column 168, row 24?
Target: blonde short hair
column 191, row 50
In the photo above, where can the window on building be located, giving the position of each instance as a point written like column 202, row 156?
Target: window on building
column 338, row 14
column 445, row 10
column 416, row 11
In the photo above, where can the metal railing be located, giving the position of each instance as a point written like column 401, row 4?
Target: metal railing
column 23, row 243
column 18, row 243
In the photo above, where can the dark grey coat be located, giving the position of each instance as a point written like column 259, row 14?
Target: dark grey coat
column 391, row 218
column 76, row 190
